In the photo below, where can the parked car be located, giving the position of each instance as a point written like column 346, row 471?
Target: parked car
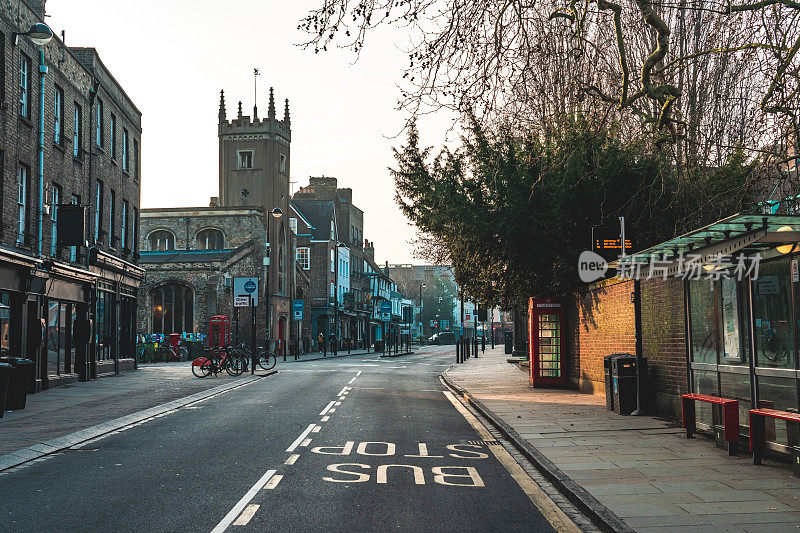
column 445, row 337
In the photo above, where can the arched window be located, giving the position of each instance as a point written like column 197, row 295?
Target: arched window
column 210, row 239
column 161, row 240
column 172, row 308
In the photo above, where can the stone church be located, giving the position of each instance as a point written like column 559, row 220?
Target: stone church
column 192, row 254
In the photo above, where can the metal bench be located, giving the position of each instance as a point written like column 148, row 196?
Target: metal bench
column 758, row 434
column 730, row 417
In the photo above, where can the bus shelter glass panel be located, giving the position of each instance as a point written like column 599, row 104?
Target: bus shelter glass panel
column 772, row 314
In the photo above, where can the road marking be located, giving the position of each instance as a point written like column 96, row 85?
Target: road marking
column 305, row 443
column 316, row 429
column 332, row 410
column 246, row 515
column 540, row 499
column 292, row 459
column 325, row 419
column 237, row 509
column 299, row 439
column 343, row 391
column 337, row 404
column 273, row 482
column 358, row 373
column 325, row 411
column 352, row 380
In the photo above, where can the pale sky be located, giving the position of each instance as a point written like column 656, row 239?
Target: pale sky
column 172, row 57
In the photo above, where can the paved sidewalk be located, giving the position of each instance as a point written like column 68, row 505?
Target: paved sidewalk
column 63, row 410
column 642, row 469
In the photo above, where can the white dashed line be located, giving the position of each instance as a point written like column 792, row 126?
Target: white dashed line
column 351, row 381
column 358, row 373
column 292, row 459
column 299, row 439
column 316, row 429
column 239, row 507
column 305, row 442
column 273, row 482
column 337, row 404
column 325, row 419
column 327, row 408
column 343, row 391
column 246, row 515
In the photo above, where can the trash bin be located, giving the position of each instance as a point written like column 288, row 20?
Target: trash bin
column 509, row 340
column 378, row 346
column 607, row 371
column 22, row 371
column 5, row 376
column 623, row 373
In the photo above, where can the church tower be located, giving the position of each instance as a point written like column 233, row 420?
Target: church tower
column 254, row 158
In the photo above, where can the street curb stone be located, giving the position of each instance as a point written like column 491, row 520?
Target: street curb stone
column 598, row 513
column 37, row 451
column 398, row 355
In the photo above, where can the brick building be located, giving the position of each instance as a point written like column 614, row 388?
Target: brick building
column 69, row 134
column 191, row 254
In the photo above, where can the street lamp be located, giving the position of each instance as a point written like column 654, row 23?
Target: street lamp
column 421, row 326
column 276, row 213
column 40, row 34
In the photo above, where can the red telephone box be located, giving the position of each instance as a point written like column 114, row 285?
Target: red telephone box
column 547, row 343
column 219, row 331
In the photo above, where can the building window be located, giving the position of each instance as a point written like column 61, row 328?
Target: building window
column 136, row 158
column 55, row 199
column 24, row 86
column 135, row 229
column 98, row 211
column 333, row 261
column 77, row 132
column 283, row 163
column 113, row 124
column 58, row 115
column 73, row 250
column 304, row 258
column 2, row 67
column 172, row 308
column 293, row 225
column 124, row 149
column 112, row 211
column 124, row 234
column 245, row 159
column 100, row 124
column 22, row 202
column 210, row 239
column 161, row 241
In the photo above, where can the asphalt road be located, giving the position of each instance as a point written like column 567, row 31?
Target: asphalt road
column 349, row 444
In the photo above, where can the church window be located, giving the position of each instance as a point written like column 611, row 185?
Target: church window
column 245, row 159
column 161, row 241
column 283, row 163
column 210, row 239
column 172, row 308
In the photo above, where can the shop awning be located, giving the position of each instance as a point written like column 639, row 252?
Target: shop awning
column 740, row 233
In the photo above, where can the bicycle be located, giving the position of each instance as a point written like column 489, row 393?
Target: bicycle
column 266, row 360
column 218, row 360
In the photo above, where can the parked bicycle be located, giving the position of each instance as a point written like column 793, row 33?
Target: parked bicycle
column 265, row 359
column 218, row 360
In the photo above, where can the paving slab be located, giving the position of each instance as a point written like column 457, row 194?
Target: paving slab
column 643, row 471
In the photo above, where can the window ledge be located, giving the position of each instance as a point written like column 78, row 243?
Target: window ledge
column 25, row 121
column 58, row 147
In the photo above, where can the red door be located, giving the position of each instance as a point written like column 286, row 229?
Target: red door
column 547, row 342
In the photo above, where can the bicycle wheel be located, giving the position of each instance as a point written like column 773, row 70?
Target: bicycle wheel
column 234, row 366
column 203, row 370
column 267, row 360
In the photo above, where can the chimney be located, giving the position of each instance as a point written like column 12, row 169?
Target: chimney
column 369, row 249
column 38, row 7
column 214, row 201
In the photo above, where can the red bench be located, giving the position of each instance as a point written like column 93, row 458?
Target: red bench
column 758, row 434
column 730, row 417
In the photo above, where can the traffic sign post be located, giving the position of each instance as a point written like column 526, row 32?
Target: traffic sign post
column 243, row 289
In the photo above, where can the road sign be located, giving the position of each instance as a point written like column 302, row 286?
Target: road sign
column 297, row 308
column 245, row 287
column 607, row 243
column 241, row 301
column 386, row 310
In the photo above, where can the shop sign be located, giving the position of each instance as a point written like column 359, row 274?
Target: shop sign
column 795, row 271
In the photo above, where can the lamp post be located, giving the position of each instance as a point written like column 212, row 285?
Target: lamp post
column 276, row 213
column 421, row 323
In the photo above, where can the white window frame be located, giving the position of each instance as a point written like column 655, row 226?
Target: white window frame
column 24, row 85
column 22, row 202
column 55, row 198
column 303, row 256
column 240, row 160
column 293, row 225
column 283, row 164
column 58, row 115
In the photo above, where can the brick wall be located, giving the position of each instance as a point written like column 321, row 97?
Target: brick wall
column 602, row 323
column 664, row 341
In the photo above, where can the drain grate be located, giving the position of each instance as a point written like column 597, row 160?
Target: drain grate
column 485, row 442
